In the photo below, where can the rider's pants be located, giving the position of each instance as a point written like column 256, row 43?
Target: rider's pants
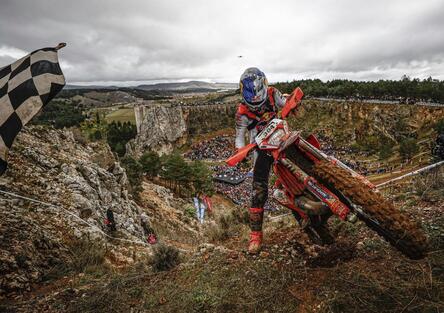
column 261, row 174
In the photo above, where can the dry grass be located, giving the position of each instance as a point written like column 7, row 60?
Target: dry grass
column 165, row 258
column 430, row 186
column 228, row 224
column 85, row 257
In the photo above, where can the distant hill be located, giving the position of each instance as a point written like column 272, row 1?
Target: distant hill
column 191, row 85
column 94, row 87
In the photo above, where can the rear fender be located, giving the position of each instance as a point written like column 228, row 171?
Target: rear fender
column 240, row 154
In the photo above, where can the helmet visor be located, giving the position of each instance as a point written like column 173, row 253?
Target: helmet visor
column 254, row 90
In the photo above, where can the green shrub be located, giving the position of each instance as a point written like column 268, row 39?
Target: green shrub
column 385, row 150
column 439, row 126
column 165, row 257
column 60, row 114
column 408, row 148
column 190, row 211
column 118, row 134
column 201, row 178
column 369, row 143
column 151, row 164
column 186, row 177
column 134, row 173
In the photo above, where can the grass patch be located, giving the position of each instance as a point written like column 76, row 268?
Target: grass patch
column 121, row 115
column 227, row 225
column 165, row 258
column 85, row 257
column 397, row 288
column 430, row 186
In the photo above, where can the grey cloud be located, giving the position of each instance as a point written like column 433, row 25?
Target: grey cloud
column 124, row 41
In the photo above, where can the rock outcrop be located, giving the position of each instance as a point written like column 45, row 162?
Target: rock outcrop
column 349, row 121
column 160, row 128
column 80, row 180
column 164, row 127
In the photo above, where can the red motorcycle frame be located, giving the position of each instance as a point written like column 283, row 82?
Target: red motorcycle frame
column 342, row 191
column 275, row 138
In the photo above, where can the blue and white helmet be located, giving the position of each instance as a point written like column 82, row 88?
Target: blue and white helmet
column 253, row 87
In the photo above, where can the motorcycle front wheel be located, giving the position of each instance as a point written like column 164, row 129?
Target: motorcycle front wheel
column 374, row 210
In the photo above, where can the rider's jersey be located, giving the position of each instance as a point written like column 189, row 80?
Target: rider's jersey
column 247, row 120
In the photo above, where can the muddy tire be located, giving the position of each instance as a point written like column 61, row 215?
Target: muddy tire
column 379, row 213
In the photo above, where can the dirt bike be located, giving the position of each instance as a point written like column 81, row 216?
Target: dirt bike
column 315, row 186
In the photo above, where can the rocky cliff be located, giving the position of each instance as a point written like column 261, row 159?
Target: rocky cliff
column 349, row 121
column 81, row 180
column 163, row 127
column 160, row 128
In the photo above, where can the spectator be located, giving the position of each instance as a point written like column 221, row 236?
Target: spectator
column 200, row 207
column 110, row 222
column 147, row 230
column 208, row 204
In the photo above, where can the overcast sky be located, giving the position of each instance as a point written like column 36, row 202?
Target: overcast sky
column 130, row 42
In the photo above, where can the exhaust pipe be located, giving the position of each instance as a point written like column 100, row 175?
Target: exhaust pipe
column 311, row 207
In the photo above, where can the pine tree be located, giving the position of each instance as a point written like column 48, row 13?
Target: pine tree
column 408, row 148
column 151, row 164
column 201, row 178
column 134, row 173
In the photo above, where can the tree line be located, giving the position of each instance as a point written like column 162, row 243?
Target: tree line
column 427, row 89
column 60, row 114
column 117, row 134
column 184, row 178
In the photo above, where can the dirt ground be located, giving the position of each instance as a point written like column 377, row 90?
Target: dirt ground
column 360, row 272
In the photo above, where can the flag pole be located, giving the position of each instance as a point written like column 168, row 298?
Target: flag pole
column 60, row 46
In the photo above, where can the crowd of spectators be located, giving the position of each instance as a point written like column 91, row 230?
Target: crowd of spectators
column 217, row 148
column 342, row 153
column 241, row 193
column 382, row 99
column 221, row 147
column 347, row 156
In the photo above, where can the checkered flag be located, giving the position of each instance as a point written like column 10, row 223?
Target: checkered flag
column 25, row 87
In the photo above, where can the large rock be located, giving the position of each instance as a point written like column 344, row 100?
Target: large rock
column 160, row 128
column 82, row 181
column 163, row 127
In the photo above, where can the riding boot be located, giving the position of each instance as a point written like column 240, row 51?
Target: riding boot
column 256, row 218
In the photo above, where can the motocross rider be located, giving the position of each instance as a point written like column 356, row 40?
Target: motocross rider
column 260, row 103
